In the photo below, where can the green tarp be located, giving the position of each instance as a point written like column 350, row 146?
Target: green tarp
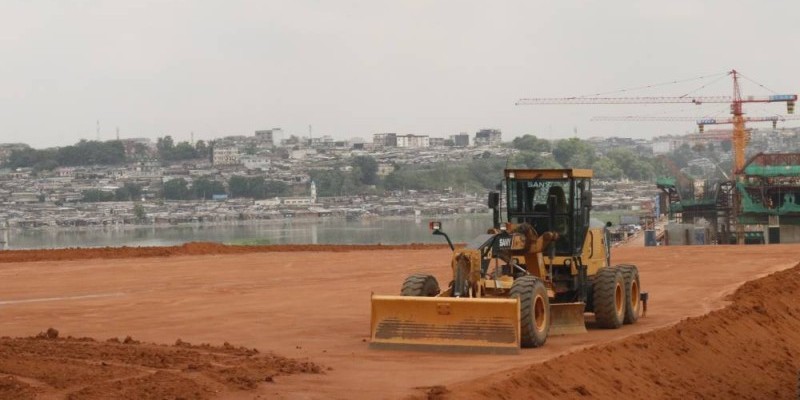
column 772, row 170
column 749, row 206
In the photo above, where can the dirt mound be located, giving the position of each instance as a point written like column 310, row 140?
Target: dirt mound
column 83, row 368
column 193, row 248
column 747, row 350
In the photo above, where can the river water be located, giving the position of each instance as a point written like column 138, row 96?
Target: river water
column 323, row 231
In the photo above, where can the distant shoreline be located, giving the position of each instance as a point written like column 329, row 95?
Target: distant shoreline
column 248, row 222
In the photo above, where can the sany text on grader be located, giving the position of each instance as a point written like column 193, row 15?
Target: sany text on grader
column 525, row 279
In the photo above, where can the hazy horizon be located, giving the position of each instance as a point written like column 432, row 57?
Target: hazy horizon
column 352, row 69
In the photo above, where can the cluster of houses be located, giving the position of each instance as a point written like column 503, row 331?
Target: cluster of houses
column 55, row 198
column 35, row 199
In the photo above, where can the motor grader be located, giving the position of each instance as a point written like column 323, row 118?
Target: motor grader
column 531, row 276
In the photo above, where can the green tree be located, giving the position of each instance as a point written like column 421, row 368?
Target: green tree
column 256, row 187
column 437, row 176
column 139, row 212
column 205, row 188
column 83, row 153
column 250, row 149
column 128, row 192
column 531, row 143
column 183, row 151
column 574, row 153
column 283, row 153
column 367, row 167
column 92, row 153
column 275, row 189
column 238, row 186
column 176, row 189
column 165, row 145
column 335, row 182
column 202, row 149
column 140, row 150
column 487, row 172
column 642, row 170
column 96, row 195
column 607, row 168
column 45, row 165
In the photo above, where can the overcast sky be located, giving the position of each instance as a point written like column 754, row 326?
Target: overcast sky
column 352, row 69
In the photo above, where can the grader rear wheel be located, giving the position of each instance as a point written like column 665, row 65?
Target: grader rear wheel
column 609, row 298
column 534, row 310
column 633, row 304
column 420, row 285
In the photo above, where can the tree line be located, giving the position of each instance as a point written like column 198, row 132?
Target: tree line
column 112, row 152
column 255, row 187
column 359, row 175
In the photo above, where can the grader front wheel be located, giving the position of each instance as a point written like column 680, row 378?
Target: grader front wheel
column 534, row 310
column 609, row 298
column 420, row 285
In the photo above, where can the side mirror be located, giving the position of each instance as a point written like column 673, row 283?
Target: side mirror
column 437, row 226
column 586, row 199
column 494, row 200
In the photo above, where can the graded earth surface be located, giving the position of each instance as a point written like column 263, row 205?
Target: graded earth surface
column 292, row 322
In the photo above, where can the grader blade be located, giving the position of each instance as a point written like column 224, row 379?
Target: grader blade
column 445, row 324
column 567, row 318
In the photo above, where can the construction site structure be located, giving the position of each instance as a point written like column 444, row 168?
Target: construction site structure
column 739, row 135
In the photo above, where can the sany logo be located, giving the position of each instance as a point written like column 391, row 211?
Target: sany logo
column 504, row 242
column 538, row 184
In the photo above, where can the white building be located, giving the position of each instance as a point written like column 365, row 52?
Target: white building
column 227, row 155
column 254, row 162
column 302, row 201
column 413, row 141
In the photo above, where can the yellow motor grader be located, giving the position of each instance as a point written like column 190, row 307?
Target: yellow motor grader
column 532, row 276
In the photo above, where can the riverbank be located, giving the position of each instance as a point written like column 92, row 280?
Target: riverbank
column 327, row 230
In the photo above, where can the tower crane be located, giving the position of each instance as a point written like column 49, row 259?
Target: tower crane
column 736, row 101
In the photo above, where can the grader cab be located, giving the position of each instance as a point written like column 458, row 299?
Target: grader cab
column 531, row 276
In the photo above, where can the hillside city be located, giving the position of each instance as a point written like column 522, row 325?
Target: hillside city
column 267, row 176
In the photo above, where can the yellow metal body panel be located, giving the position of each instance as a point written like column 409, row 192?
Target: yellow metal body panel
column 594, row 251
column 567, row 318
column 593, row 254
column 486, row 325
column 503, row 282
column 548, row 173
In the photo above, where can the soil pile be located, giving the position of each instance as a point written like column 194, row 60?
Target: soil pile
column 747, row 350
column 189, row 249
column 83, row 368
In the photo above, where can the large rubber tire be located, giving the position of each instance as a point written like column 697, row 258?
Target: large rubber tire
column 534, row 310
column 420, row 285
column 609, row 298
column 633, row 303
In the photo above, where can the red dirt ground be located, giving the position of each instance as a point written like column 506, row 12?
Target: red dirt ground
column 312, row 305
column 82, row 368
